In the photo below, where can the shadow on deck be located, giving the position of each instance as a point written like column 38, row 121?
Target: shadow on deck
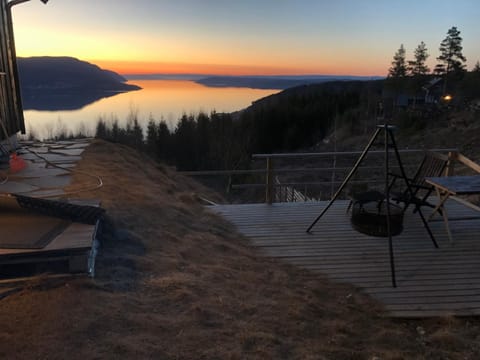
column 431, row 282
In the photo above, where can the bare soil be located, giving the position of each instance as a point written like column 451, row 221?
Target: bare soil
column 177, row 282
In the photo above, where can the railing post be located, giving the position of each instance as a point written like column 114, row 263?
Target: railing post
column 269, row 181
column 452, row 157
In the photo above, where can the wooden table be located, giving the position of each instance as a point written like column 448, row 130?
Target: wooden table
column 450, row 187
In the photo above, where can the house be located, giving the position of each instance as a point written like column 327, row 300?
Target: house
column 433, row 91
column 401, row 94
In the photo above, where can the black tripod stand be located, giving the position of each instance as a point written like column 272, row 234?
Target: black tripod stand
column 389, row 143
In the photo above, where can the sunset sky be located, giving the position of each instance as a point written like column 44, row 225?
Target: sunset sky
column 343, row 37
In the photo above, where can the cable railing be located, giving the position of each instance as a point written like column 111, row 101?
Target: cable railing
column 294, row 177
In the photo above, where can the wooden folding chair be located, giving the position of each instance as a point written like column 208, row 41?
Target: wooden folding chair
column 432, row 164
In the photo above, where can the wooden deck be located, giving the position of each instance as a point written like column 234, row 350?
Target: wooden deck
column 430, row 281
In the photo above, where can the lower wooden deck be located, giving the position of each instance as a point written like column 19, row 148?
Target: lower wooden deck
column 430, row 281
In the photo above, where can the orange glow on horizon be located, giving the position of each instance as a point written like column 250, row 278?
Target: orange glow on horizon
column 143, row 68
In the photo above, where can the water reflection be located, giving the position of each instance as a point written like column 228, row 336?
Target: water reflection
column 158, row 99
column 60, row 101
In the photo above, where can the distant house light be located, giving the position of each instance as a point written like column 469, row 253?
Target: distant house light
column 447, row 98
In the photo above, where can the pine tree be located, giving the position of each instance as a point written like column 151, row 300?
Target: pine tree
column 476, row 68
column 137, row 135
column 418, row 67
column 101, row 130
column 185, row 144
column 399, row 65
column 164, row 143
column 439, row 69
column 152, row 137
column 451, row 58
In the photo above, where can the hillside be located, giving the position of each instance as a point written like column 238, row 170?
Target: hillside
column 65, row 83
column 175, row 281
column 275, row 82
column 64, row 74
column 303, row 117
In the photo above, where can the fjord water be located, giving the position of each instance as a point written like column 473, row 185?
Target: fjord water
column 158, row 99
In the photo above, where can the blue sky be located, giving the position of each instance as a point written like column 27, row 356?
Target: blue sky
column 263, row 36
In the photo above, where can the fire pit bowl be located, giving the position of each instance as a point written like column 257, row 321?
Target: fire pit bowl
column 370, row 218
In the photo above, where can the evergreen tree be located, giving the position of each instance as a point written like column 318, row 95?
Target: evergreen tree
column 476, row 68
column 164, row 143
column 101, row 130
column 185, row 144
column 395, row 82
column 152, row 137
column 439, row 69
column 116, row 131
column 418, row 70
column 417, row 67
column 451, row 59
column 137, row 135
column 399, row 64
column 202, row 140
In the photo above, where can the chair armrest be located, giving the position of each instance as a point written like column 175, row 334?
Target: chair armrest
column 468, row 162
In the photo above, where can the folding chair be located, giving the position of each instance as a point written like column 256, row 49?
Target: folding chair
column 432, row 164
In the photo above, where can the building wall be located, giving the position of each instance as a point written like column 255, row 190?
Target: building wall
column 11, row 112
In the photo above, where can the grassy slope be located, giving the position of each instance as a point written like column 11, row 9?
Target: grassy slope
column 177, row 282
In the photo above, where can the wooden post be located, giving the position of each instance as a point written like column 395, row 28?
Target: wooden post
column 452, row 157
column 269, row 181
column 229, row 185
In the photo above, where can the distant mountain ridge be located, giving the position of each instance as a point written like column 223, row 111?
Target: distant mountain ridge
column 67, row 74
column 273, row 82
column 279, row 82
column 66, row 83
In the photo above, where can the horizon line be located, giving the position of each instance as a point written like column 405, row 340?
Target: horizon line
column 252, row 75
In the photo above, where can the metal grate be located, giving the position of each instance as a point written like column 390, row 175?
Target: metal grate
column 85, row 214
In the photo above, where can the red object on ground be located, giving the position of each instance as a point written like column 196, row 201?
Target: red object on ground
column 16, row 163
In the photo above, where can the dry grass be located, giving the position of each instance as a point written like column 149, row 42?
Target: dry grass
column 176, row 282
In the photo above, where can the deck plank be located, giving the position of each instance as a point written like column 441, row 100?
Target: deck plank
column 431, row 282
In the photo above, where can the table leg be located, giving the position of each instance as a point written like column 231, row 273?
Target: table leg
column 441, row 200
column 443, row 197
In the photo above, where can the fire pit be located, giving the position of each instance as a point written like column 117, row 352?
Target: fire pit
column 370, row 216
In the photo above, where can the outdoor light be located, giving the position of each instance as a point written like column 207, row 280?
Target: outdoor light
column 447, row 98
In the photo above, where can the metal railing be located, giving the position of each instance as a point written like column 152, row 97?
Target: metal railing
column 313, row 176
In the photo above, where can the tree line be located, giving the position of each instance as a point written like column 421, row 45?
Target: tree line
column 294, row 119
column 451, row 58
column 450, row 67
column 197, row 142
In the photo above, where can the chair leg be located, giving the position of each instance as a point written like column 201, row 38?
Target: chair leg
column 427, row 227
column 392, row 262
column 349, row 206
